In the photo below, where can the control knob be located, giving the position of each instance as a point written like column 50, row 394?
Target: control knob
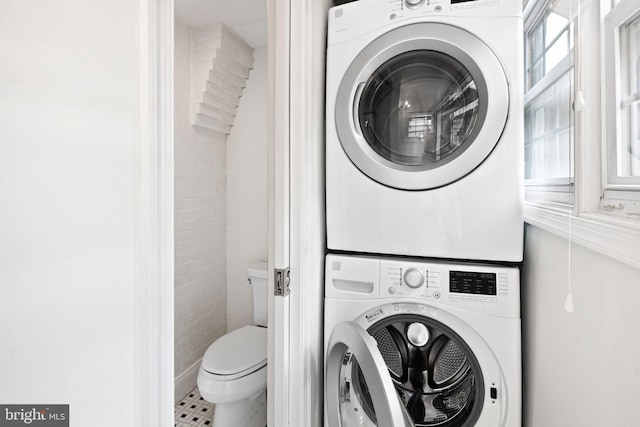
column 413, row 278
column 413, row 3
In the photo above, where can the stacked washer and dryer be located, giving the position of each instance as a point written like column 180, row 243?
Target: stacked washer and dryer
column 424, row 197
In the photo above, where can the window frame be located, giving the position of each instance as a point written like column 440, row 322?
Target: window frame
column 617, row 190
column 554, row 192
column 595, row 219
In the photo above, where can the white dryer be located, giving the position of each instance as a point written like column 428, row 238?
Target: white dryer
column 424, row 138
column 421, row 343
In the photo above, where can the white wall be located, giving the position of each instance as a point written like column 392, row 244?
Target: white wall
column 69, row 126
column 200, row 226
column 247, row 192
column 581, row 369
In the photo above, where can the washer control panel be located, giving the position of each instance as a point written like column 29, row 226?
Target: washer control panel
column 493, row 289
column 458, row 283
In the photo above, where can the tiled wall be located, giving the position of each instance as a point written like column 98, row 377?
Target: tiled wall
column 200, row 222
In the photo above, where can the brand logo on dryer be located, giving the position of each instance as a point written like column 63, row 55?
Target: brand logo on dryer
column 373, row 315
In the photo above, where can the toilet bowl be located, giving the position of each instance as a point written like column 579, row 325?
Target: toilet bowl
column 233, row 373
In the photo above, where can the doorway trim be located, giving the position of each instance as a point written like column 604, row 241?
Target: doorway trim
column 154, row 260
column 154, row 227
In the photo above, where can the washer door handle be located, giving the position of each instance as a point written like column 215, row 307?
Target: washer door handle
column 356, row 102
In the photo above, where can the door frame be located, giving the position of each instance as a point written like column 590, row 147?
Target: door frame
column 154, row 260
column 307, row 26
column 295, row 355
column 278, row 141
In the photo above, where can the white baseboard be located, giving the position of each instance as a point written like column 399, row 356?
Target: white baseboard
column 187, row 381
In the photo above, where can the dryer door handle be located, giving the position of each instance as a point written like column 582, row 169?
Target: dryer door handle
column 349, row 336
column 356, row 104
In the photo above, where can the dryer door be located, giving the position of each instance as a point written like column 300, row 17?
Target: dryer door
column 352, row 351
column 422, row 106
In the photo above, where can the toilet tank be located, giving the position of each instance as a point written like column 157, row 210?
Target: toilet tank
column 258, row 275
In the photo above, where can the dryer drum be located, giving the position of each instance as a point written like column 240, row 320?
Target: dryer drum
column 440, row 383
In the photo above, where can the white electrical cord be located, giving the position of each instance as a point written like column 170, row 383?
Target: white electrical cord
column 568, row 301
column 578, row 106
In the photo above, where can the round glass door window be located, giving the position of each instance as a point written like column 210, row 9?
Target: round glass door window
column 421, row 106
column 420, row 109
column 436, row 376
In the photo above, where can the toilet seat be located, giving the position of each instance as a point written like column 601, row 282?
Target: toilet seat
column 234, row 367
column 236, row 354
column 217, row 389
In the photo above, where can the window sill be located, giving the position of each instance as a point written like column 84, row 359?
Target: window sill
column 616, row 237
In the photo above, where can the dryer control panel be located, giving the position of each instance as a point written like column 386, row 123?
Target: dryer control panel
column 361, row 17
column 446, row 5
column 493, row 289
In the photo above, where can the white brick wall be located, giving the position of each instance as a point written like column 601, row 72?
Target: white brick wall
column 247, row 213
column 200, row 222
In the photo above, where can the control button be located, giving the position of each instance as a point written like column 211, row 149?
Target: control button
column 478, row 299
column 392, row 290
column 468, row 6
column 467, row 299
column 413, row 278
column 418, row 334
column 492, row 299
column 414, row 3
column 454, row 298
column 437, row 294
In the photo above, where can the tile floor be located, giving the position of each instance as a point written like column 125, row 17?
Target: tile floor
column 193, row 410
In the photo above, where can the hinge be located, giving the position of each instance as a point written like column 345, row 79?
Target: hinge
column 281, row 288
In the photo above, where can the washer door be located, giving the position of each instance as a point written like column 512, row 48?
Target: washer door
column 422, row 106
column 433, row 374
column 351, row 346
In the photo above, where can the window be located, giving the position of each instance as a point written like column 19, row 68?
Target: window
column 628, row 161
column 549, row 42
column 548, row 100
column 622, row 70
column 548, row 126
column 582, row 166
column 621, row 108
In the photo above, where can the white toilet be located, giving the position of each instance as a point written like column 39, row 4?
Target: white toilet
column 233, row 374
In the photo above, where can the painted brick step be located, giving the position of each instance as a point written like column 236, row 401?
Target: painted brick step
column 220, row 66
column 212, row 124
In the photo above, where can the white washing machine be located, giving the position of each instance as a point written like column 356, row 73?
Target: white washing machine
column 424, row 138
column 421, row 343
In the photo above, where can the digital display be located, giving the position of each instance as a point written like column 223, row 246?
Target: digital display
column 460, row 1
column 468, row 282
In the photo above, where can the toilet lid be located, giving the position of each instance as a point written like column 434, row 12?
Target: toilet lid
column 244, row 349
